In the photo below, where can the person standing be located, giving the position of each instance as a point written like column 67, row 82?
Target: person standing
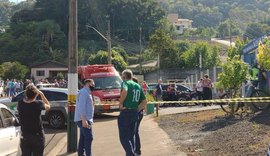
column 84, row 113
column 207, row 88
column 199, row 89
column 144, row 87
column 7, row 87
column 29, row 109
column 158, row 92
column 12, row 87
column 132, row 100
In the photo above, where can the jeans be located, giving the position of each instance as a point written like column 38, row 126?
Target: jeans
column 207, row 93
column 200, row 95
column 127, row 121
column 85, row 141
column 137, row 136
column 32, row 144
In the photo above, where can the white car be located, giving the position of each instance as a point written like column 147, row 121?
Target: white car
column 10, row 132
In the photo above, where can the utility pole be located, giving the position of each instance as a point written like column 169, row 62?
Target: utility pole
column 109, row 43
column 140, row 50
column 230, row 31
column 72, row 76
column 200, row 63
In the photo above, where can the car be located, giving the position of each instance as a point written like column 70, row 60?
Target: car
column 57, row 115
column 10, row 132
column 45, row 85
column 179, row 93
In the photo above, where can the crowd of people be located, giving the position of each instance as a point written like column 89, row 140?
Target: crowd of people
column 11, row 87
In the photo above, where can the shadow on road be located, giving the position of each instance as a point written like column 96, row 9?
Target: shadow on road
column 49, row 130
column 218, row 123
column 97, row 118
column 105, row 117
column 262, row 117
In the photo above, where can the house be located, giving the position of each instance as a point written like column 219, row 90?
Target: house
column 251, row 49
column 180, row 24
column 48, row 69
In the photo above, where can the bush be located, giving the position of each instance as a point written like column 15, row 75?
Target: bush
column 14, row 70
column 149, row 97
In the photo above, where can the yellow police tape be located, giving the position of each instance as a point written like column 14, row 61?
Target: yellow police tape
column 219, row 101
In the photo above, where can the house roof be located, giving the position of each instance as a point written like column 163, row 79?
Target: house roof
column 49, row 64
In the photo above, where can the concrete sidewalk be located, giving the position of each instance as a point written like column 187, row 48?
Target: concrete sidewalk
column 155, row 142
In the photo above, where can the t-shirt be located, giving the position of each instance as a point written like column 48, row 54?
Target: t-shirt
column 11, row 84
column 134, row 94
column 30, row 116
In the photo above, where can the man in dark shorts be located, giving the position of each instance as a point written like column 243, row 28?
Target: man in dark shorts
column 132, row 100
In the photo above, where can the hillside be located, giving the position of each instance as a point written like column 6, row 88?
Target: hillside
column 210, row 13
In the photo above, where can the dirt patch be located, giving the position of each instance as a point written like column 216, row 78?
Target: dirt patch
column 212, row 133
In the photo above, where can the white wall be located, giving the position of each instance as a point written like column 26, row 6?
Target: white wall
column 46, row 70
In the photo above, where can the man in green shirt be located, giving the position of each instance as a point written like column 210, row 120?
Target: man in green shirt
column 132, row 100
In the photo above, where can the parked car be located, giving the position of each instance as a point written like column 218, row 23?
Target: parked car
column 10, row 132
column 44, row 85
column 57, row 115
column 179, row 92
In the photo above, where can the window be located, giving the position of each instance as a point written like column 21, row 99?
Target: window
column 177, row 27
column 7, row 118
column 58, row 96
column 18, row 97
column 113, row 82
column 48, row 95
column 40, row 73
column 182, row 88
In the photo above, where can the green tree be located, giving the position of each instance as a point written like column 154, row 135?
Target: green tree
column 102, row 58
column 60, row 76
column 160, row 43
column 263, row 55
column 227, row 27
column 5, row 13
column 31, row 42
column 237, row 50
column 210, row 55
column 235, row 72
column 1, row 71
column 255, row 30
column 14, row 70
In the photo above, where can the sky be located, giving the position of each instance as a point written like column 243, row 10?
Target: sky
column 16, row 1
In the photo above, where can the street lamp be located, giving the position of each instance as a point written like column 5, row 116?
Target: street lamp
column 108, row 39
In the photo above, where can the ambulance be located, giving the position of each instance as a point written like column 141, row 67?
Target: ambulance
column 107, row 86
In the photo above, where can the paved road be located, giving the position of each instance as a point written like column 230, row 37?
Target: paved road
column 54, row 136
column 224, row 42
